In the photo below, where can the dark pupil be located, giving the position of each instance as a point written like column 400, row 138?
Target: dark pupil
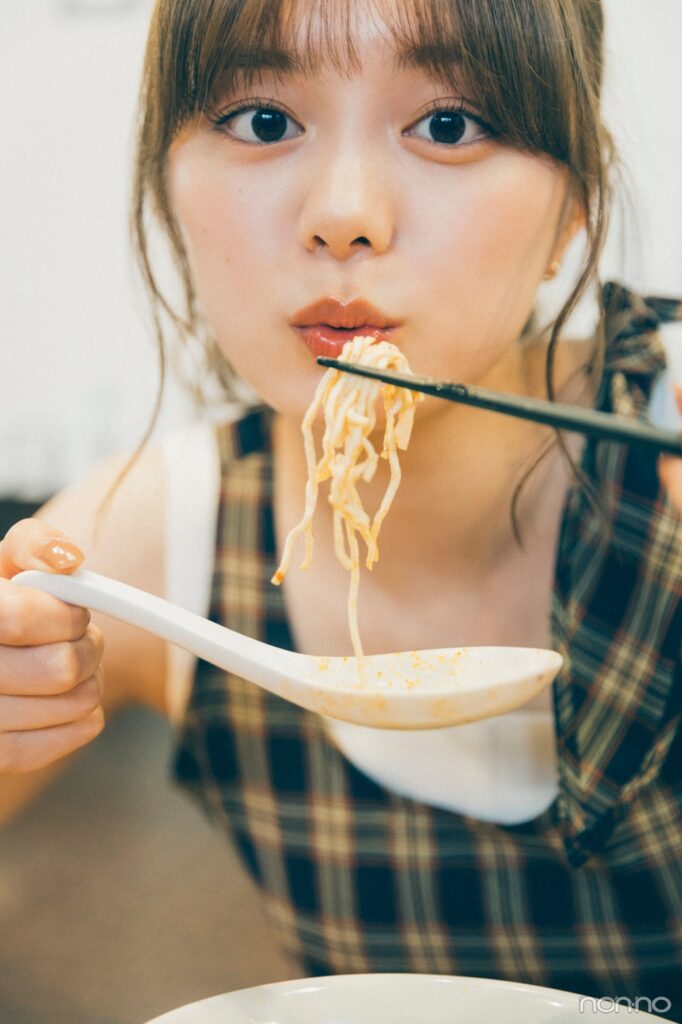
column 447, row 126
column 269, row 125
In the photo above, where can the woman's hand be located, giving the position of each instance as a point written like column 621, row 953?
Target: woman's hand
column 670, row 467
column 50, row 653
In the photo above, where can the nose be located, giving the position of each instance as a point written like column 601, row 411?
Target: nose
column 348, row 208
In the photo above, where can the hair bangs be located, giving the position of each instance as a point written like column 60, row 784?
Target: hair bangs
column 514, row 61
column 229, row 43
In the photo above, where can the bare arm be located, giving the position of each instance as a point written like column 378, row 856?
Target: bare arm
column 129, row 546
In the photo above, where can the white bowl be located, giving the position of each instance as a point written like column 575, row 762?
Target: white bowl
column 404, row 999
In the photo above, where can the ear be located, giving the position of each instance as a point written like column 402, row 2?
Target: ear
column 572, row 220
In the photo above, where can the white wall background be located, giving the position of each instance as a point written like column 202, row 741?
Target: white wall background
column 642, row 103
column 79, row 366
column 78, row 371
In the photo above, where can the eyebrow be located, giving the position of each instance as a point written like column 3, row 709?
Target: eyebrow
column 260, row 59
column 429, row 55
column 289, row 62
column 252, row 62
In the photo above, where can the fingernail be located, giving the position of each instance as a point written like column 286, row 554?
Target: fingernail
column 60, row 554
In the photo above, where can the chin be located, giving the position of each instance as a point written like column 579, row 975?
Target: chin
column 290, row 397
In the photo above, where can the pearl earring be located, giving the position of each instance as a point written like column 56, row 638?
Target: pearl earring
column 552, row 270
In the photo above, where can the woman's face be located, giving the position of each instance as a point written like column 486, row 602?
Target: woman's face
column 375, row 185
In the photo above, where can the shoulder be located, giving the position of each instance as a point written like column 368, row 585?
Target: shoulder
column 114, row 513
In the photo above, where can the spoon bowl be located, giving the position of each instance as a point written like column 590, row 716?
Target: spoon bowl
column 407, row 690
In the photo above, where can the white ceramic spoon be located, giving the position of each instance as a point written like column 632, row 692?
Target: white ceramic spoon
column 409, row 690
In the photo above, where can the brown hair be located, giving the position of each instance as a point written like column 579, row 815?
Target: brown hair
column 535, row 67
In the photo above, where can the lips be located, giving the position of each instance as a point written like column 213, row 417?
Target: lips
column 325, row 326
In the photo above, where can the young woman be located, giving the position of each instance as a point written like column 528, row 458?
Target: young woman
column 415, row 171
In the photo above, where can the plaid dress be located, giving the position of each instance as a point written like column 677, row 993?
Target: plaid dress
column 587, row 896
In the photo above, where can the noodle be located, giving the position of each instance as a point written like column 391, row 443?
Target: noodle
column 348, row 457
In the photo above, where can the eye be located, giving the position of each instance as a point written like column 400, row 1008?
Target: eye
column 449, row 127
column 259, row 125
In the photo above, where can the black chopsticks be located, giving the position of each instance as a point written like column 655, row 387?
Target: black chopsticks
column 603, row 425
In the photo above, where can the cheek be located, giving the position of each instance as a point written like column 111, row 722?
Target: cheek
column 208, row 222
column 232, row 236
column 498, row 226
column 224, row 229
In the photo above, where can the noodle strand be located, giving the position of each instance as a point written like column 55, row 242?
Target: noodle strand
column 348, row 456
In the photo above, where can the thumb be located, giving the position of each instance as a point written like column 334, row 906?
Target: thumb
column 32, row 544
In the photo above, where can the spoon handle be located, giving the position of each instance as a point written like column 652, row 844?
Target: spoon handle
column 217, row 644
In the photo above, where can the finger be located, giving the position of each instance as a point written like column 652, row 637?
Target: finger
column 28, row 751
column 50, row 669
column 32, row 544
column 29, row 617
column 670, row 473
column 18, row 714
